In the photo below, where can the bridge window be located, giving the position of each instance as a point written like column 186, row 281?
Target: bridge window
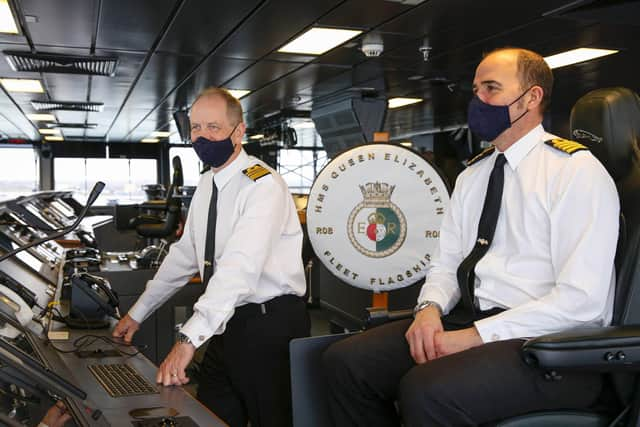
column 300, row 167
column 19, row 171
column 124, row 178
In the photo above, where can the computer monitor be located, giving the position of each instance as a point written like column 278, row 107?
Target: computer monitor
column 38, row 259
column 17, row 367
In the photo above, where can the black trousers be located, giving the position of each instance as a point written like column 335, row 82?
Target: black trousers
column 245, row 371
column 369, row 372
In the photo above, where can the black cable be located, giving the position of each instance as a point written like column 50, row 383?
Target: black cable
column 85, row 341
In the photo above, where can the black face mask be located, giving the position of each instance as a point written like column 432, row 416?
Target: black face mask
column 214, row 153
column 489, row 121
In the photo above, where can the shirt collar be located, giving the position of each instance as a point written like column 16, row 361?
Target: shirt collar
column 518, row 151
column 223, row 176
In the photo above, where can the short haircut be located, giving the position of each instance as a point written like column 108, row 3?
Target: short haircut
column 234, row 108
column 533, row 70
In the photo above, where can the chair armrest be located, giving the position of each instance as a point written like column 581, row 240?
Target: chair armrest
column 153, row 205
column 145, row 219
column 377, row 316
column 614, row 348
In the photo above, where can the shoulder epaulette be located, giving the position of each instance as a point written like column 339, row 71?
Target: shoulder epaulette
column 256, row 172
column 565, row 145
column 486, row 152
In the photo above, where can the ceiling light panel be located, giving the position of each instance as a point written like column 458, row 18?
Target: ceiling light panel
column 149, row 140
column 53, row 138
column 576, row 56
column 401, row 102
column 41, row 117
column 160, row 134
column 49, row 131
column 7, row 21
column 238, row 93
column 22, row 85
column 317, row 41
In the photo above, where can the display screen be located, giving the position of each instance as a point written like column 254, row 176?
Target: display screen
column 23, row 370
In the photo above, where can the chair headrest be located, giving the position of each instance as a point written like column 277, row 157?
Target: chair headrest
column 178, row 179
column 177, row 164
column 608, row 122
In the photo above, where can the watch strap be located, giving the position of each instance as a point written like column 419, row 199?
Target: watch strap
column 184, row 339
column 424, row 304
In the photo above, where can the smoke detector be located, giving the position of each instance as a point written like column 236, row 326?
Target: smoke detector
column 372, row 45
column 425, row 49
column 372, row 50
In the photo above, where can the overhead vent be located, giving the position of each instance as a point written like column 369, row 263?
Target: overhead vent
column 72, row 125
column 67, row 106
column 59, row 63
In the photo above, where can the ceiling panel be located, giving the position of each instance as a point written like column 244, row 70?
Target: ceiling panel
column 283, row 92
column 13, row 39
column 364, row 14
column 133, row 25
column 67, row 87
column 62, row 22
column 261, row 74
column 202, row 24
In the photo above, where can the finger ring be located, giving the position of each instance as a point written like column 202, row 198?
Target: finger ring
column 174, row 374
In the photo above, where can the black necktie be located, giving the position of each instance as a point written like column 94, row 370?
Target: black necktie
column 486, row 230
column 210, row 246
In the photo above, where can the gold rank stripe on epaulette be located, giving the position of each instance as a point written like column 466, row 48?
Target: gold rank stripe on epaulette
column 486, row 152
column 256, row 172
column 565, row 145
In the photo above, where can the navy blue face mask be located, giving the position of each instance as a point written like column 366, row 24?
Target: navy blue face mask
column 489, row 121
column 214, row 153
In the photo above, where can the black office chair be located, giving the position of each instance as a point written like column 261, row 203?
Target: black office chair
column 608, row 122
column 158, row 228
column 168, row 212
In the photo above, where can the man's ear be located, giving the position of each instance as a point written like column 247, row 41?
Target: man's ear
column 239, row 132
column 536, row 93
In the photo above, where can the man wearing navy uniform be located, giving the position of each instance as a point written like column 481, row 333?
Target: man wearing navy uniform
column 526, row 248
column 243, row 236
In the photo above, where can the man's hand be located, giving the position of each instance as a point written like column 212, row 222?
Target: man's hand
column 172, row 370
column 420, row 334
column 126, row 327
column 450, row 342
column 56, row 416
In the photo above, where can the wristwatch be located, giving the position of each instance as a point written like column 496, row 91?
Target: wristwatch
column 424, row 304
column 183, row 339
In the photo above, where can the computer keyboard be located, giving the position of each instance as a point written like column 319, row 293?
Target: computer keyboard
column 121, row 380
